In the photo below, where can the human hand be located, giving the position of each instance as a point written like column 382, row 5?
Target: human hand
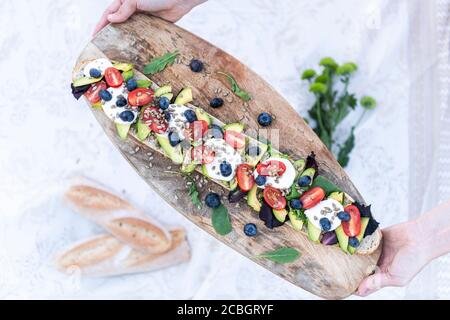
column 403, row 256
column 170, row 10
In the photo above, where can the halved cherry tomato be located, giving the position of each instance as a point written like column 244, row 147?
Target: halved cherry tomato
column 352, row 228
column 244, row 176
column 140, row 97
column 312, row 197
column 234, row 139
column 113, row 77
column 274, row 198
column 202, row 154
column 94, row 89
column 154, row 119
column 272, row 168
column 197, row 129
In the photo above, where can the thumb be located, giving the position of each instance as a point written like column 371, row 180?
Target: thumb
column 125, row 11
column 374, row 283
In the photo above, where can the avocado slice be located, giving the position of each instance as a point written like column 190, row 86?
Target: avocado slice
column 123, row 66
column 184, row 97
column 338, row 196
column 142, row 130
column 313, row 232
column 202, row 115
column 127, row 75
column 174, row 153
column 169, row 96
column 310, row 172
column 364, row 223
column 233, row 184
column 122, row 130
column 299, row 165
column 254, row 160
column 237, row 127
column 188, row 166
column 280, row 215
column 296, row 222
column 163, row 90
column 342, row 238
column 85, row 81
column 144, row 83
column 252, row 199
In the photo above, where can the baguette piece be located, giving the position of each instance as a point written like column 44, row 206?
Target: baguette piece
column 118, row 217
column 370, row 243
column 104, row 255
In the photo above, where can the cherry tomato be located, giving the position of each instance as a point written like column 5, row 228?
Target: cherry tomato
column 271, row 168
column 113, row 77
column 92, row 93
column 312, row 197
column 245, row 177
column 352, row 228
column 202, row 154
column 197, row 129
column 154, row 119
column 140, row 97
column 234, row 139
column 274, row 198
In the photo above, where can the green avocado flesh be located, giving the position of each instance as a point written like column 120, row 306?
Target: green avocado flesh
column 184, row 97
column 163, row 90
column 252, row 199
column 254, row 160
column 313, row 232
column 122, row 130
column 236, row 127
column 123, row 66
column 169, row 96
column 174, row 153
column 188, row 166
column 280, row 215
column 338, row 196
column 342, row 238
column 364, row 223
column 202, row 115
column 142, row 130
column 85, row 81
column 296, row 223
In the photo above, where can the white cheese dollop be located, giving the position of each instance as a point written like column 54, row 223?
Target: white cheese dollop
column 325, row 209
column 113, row 111
column 100, row 64
column 285, row 181
column 223, row 152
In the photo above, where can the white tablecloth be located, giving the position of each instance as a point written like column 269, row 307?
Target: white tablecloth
column 47, row 136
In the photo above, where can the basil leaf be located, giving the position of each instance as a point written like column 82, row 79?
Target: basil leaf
column 281, row 255
column 221, row 220
column 158, row 64
column 325, row 184
column 235, row 87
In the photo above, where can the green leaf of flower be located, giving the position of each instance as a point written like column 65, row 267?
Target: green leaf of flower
column 308, row 74
column 346, row 149
column 328, row 63
column 318, row 88
column 281, row 255
column 368, row 103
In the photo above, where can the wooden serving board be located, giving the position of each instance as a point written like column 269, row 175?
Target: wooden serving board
column 323, row 270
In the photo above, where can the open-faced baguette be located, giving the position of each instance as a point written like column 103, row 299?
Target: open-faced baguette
column 105, row 255
column 118, row 217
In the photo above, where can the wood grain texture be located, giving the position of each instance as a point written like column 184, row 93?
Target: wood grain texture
column 323, row 270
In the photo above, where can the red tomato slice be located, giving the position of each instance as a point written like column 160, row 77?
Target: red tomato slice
column 271, row 168
column 93, row 91
column 202, row 154
column 197, row 129
column 234, row 139
column 244, row 174
column 274, row 198
column 113, row 77
column 312, row 197
column 154, row 119
column 140, row 97
column 352, row 228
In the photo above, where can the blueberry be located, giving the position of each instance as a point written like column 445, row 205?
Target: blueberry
column 250, row 229
column 174, row 139
column 260, row 180
column 126, row 116
column 212, row 200
column 190, row 115
column 105, row 95
column 95, row 73
column 325, row 224
column 265, row 119
column 353, row 242
column 253, row 151
column 164, row 103
column 225, row 169
column 167, row 116
column 132, row 85
column 304, row 181
column 196, row 65
column 216, row 103
column 296, row 204
column 343, row 216
column 121, row 102
column 214, row 132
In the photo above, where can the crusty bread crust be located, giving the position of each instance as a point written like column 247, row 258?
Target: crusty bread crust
column 370, row 243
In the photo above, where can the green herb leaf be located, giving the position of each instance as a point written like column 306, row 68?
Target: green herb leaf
column 301, row 215
column 281, row 255
column 346, row 149
column 160, row 63
column 235, row 88
column 325, row 184
column 193, row 193
column 221, row 220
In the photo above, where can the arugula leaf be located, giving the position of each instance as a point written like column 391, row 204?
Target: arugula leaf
column 193, row 193
column 346, row 148
column 235, row 88
column 158, row 64
column 221, row 220
column 281, row 255
column 301, row 215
